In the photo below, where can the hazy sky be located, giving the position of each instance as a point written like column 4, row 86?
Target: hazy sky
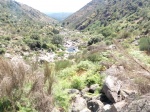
column 56, row 5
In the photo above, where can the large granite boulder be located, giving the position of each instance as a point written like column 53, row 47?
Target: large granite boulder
column 111, row 89
column 79, row 104
column 141, row 104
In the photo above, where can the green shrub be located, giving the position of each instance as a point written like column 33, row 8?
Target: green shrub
column 68, row 72
column 2, row 50
column 94, row 57
column 84, row 65
column 106, row 31
column 62, row 64
column 108, row 42
column 5, row 105
column 55, row 31
column 145, row 44
column 25, row 106
column 77, row 83
column 125, row 34
column 34, row 44
column 57, row 39
column 94, row 79
column 62, row 99
column 35, row 37
column 45, row 46
column 93, row 41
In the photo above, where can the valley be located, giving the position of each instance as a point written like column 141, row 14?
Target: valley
column 96, row 60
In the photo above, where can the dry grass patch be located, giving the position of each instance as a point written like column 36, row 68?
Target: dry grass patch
column 41, row 91
column 12, row 78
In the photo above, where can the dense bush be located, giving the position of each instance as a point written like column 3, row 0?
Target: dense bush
column 2, row 50
column 5, row 104
column 77, row 83
column 62, row 64
column 68, row 72
column 94, row 57
column 62, row 99
column 34, row 42
column 125, row 34
column 94, row 79
column 93, row 40
column 35, row 37
column 55, row 31
column 145, row 44
column 57, row 39
column 84, row 65
column 107, row 31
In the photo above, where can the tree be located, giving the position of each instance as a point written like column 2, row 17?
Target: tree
column 57, row 39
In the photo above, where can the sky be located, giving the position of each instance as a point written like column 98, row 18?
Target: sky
column 55, row 5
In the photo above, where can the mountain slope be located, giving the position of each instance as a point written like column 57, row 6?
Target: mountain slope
column 17, row 18
column 24, row 27
column 23, row 11
column 80, row 15
column 115, row 14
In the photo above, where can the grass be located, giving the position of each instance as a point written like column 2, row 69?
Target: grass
column 20, row 93
column 12, row 82
column 76, row 76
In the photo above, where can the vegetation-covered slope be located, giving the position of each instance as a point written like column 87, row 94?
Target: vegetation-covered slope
column 19, row 18
column 21, row 25
column 21, row 11
column 114, row 15
column 47, row 68
column 80, row 15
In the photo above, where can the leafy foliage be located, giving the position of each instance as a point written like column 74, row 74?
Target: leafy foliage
column 62, row 64
column 95, row 78
column 57, row 39
column 84, row 65
column 77, row 83
column 145, row 44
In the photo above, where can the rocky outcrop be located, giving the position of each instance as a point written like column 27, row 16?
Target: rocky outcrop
column 118, row 106
column 79, row 105
column 116, row 90
column 141, row 104
column 111, row 89
column 95, row 105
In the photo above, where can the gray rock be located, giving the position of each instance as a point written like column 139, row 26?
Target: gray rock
column 85, row 110
column 93, row 88
column 95, row 105
column 141, row 104
column 55, row 110
column 111, row 89
column 73, row 91
column 107, row 108
column 127, row 93
column 7, row 55
column 85, row 90
column 117, row 107
column 78, row 105
column 115, row 70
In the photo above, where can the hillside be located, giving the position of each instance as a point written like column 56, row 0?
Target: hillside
column 21, row 11
column 60, row 16
column 102, row 65
column 19, row 22
column 80, row 15
column 114, row 14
